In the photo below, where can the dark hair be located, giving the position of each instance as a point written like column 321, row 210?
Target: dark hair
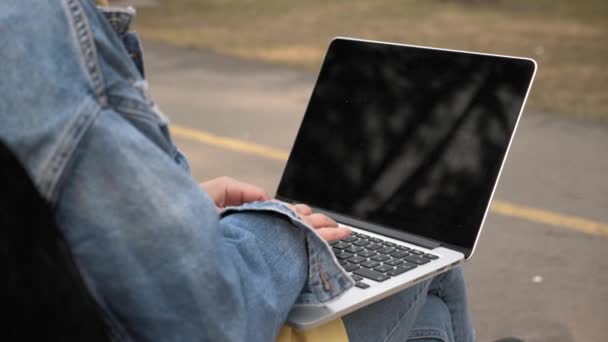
column 43, row 297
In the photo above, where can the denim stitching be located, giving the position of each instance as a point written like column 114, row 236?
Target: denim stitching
column 53, row 168
column 131, row 107
column 135, row 110
column 344, row 281
column 80, row 25
column 425, row 333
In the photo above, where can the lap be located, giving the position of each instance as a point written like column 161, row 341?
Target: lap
column 430, row 311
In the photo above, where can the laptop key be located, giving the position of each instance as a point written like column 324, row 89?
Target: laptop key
column 373, row 239
column 416, row 252
column 401, row 269
column 386, row 250
column 383, row 268
column 361, row 285
column 403, row 248
column 389, row 244
column 363, row 236
column 416, row 259
column 367, row 254
column 357, row 259
column 393, row 262
column 350, row 239
column 336, row 251
column 430, row 256
column 370, row 264
column 361, row 243
column 374, row 246
column 351, row 267
column 356, row 277
column 353, row 249
column 371, row 274
column 379, row 257
column 342, row 262
column 400, row 254
column 344, row 255
column 341, row 245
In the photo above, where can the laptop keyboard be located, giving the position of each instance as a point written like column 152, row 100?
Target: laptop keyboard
column 375, row 259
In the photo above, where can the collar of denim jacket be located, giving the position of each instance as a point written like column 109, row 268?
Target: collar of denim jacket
column 120, row 18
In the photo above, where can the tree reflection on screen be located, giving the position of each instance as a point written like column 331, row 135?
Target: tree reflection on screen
column 407, row 137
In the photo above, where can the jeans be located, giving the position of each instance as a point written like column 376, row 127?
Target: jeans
column 434, row 310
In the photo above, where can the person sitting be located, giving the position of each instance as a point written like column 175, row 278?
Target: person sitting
column 164, row 258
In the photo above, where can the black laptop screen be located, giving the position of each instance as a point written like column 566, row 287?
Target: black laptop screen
column 407, row 138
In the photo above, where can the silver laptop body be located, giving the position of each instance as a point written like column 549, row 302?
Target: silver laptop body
column 404, row 145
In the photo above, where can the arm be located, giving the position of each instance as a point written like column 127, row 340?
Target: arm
column 158, row 257
column 150, row 244
column 226, row 191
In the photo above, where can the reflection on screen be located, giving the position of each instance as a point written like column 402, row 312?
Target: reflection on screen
column 407, row 138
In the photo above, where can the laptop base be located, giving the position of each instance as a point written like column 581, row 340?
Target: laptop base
column 305, row 317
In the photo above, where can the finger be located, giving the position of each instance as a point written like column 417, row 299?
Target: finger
column 303, row 209
column 250, row 193
column 317, row 220
column 290, row 206
column 238, row 193
column 215, row 188
column 334, row 233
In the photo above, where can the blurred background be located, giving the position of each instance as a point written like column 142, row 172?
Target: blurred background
column 234, row 77
column 568, row 38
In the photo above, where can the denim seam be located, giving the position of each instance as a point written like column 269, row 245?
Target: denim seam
column 418, row 293
column 427, row 332
column 52, row 169
column 86, row 43
column 440, row 292
column 133, row 109
column 124, row 108
column 131, row 105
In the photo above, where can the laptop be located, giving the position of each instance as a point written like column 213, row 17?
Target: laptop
column 404, row 145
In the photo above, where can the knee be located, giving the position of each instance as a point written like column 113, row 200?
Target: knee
column 434, row 322
column 454, row 275
column 452, row 280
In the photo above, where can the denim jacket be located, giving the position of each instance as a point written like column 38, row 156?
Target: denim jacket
column 158, row 258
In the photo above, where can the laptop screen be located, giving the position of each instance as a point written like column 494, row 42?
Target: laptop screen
column 407, row 138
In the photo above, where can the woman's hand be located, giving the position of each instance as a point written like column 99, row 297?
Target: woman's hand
column 226, row 191
column 327, row 228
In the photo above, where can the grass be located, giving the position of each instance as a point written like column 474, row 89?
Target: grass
column 569, row 39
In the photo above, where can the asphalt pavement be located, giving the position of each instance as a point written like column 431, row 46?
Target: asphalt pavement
column 527, row 279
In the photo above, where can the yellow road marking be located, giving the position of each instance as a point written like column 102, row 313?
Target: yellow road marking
column 229, row 143
column 499, row 207
column 550, row 218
